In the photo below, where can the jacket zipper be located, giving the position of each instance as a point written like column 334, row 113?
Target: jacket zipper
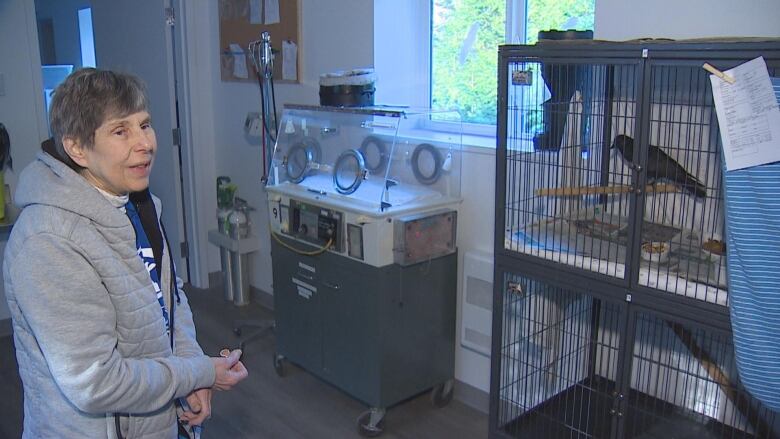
column 171, row 300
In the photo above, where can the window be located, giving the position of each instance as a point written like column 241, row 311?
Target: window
column 457, row 69
column 464, row 38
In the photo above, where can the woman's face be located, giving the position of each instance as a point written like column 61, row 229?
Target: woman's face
column 121, row 159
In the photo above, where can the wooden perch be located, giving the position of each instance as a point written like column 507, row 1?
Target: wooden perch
column 574, row 191
column 716, row 374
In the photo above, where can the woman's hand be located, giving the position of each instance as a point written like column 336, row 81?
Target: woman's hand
column 229, row 370
column 199, row 403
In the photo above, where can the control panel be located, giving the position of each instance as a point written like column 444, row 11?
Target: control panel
column 315, row 224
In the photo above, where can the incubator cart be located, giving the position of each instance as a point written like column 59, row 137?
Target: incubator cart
column 363, row 209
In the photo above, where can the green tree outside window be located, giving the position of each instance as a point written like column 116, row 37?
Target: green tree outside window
column 464, row 48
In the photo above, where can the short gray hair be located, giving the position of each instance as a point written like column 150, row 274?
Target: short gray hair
column 86, row 99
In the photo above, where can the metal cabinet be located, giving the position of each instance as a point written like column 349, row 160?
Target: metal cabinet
column 380, row 334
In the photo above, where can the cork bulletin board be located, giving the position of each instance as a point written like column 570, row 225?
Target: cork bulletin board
column 242, row 21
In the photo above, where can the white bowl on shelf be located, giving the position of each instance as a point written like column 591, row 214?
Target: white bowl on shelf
column 655, row 251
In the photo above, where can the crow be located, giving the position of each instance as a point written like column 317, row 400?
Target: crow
column 661, row 167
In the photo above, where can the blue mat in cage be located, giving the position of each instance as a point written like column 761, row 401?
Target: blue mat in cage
column 752, row 199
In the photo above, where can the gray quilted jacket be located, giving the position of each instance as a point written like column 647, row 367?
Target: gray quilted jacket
column 90, row 339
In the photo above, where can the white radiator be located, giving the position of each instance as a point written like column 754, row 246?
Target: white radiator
column 477, row 302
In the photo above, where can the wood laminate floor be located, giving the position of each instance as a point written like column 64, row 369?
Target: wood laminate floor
column 265, row 405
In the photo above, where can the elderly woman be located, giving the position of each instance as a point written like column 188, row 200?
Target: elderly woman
column 104, row 336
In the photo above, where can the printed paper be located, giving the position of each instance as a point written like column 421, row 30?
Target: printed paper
column 748, row 115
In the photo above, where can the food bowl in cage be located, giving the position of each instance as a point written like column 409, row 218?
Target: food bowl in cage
column 655, row 251
column 714, row 248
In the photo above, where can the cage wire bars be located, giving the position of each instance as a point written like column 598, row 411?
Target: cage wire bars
column 611, row 294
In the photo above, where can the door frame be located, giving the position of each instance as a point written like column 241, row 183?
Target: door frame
column 195, row 102
column 196, row 153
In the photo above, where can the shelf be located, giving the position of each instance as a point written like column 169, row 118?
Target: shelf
column 246, row 245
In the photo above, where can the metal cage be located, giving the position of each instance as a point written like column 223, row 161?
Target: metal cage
column 573, row 365
column 610, row 164
column 610, row 290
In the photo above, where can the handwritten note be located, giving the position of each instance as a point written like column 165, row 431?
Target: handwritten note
column 255, row 12
column 748, row 115
column 239, row 61
column 271, row 11
column 289, row 60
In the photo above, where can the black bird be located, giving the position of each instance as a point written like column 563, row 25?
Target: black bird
column 661, row 167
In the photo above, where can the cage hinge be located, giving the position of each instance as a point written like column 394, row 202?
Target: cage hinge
column 176, row 132
column 184, row 248
column 645, row 53
column 628, row 297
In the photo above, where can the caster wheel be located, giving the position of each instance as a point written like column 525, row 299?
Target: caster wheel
column 279, row 365
column 441, row 395
column 237, row 331
column 371, row 426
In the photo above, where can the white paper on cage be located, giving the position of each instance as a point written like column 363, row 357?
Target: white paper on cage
column 748, row 116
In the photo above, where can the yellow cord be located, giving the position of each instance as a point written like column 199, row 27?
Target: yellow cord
column 302, row 252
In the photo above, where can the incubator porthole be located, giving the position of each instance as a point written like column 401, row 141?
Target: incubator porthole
column 426, row 163
column 299, row 160
column 302, row 157
column 313, row 146
column 374, row 153
column 349, row 171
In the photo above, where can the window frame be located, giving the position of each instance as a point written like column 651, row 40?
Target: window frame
column 514, row 33
column 403, row 65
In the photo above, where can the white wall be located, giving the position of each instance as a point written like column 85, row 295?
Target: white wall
column 21, row 105
column 629, row 19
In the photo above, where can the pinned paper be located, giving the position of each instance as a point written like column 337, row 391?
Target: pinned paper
column 255, row 12
column 748, row 115
column 239, row 61
column 271, row 11
column 289, row 60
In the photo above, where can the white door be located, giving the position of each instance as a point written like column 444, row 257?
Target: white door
column 133, row 36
